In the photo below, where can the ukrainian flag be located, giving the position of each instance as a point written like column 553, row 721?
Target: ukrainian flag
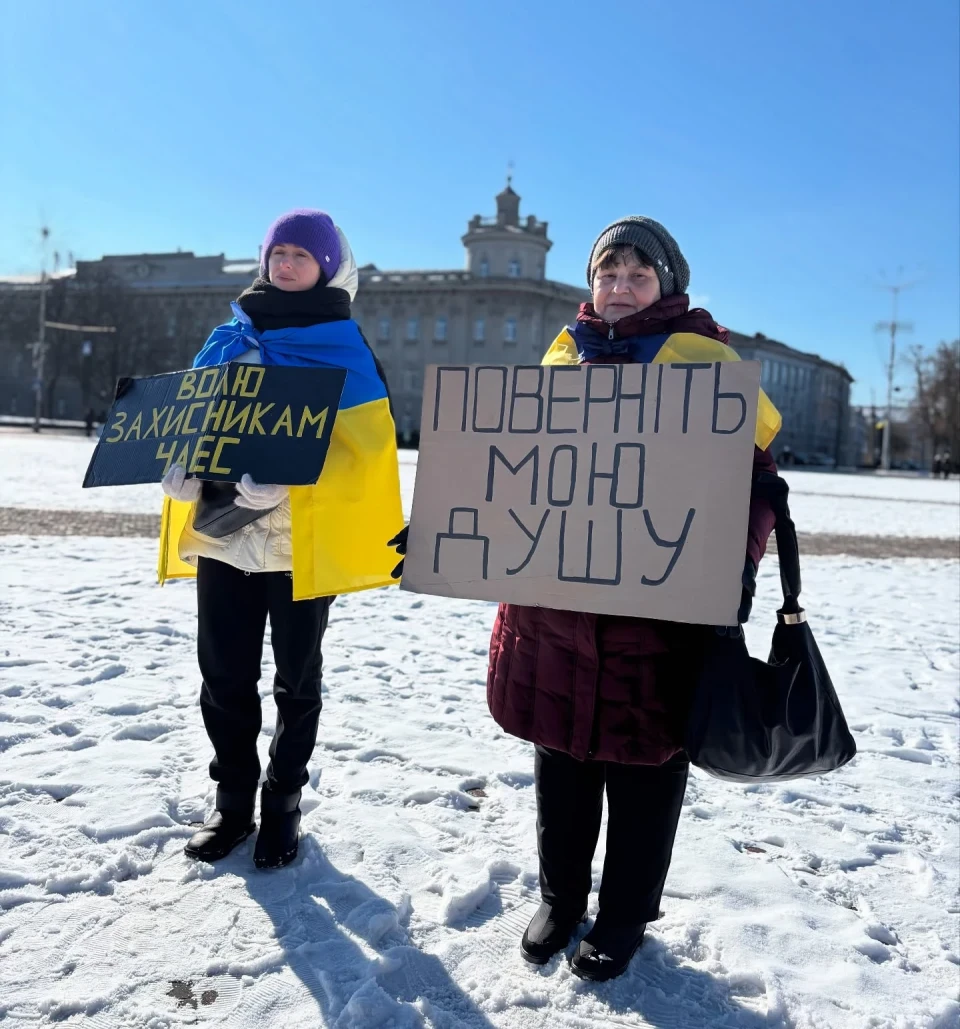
column 341, row 524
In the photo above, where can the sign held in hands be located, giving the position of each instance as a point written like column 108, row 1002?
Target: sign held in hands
column 273, row 423
column 614, row 489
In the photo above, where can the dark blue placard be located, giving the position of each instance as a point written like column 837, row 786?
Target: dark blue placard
column 273, row 423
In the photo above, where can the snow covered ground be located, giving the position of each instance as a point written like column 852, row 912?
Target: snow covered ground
column 871, row 505
column 829, row 903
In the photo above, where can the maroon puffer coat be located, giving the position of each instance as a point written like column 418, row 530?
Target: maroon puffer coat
column 597, row 686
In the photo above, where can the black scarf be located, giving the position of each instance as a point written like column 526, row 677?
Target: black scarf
column 271, row 308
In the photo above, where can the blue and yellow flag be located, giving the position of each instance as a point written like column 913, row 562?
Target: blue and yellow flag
column 341, row 524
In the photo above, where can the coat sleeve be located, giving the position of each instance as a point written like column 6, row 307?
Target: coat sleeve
column 762, row 517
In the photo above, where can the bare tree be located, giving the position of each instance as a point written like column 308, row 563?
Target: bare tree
column 103, row 299
column 936, row 399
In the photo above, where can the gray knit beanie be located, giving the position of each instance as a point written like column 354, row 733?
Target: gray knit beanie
column 654, row 240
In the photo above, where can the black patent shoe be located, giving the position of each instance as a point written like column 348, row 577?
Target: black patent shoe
column 606, row 950
column 279, row 838
column 548, row 933
column 219, row 834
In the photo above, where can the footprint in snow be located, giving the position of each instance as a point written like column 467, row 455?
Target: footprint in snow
column 130, row 708
column 110, row 672
column 918, row 757
column 147, row 732
column 878, row 953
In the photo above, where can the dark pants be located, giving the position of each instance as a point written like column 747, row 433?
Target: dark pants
column 643, row 804
column 232, row 609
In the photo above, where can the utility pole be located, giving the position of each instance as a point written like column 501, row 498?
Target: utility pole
column 873, row 427
column 40, row 347
column 893, row 326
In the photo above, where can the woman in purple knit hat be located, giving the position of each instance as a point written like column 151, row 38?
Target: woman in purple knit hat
column 239, row 539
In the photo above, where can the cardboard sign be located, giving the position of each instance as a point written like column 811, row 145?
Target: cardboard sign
column 615, row 489
column 273, row 423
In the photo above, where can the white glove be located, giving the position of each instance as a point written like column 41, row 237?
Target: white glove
column 177, row 486
column 255, row 497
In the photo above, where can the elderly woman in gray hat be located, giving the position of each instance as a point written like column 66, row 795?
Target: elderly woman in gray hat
column 604, row 698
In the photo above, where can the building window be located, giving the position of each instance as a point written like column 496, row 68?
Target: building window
column 383, row 330
column 479, row 330
column 484, row 267
column 413, row 328
column 440, row 330
column 513, row 269
column 510, row 330
column 540, row 270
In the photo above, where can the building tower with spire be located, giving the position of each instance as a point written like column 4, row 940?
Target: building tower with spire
column 504, row 247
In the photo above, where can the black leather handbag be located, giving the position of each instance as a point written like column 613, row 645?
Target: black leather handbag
column 217, row 514
column 767, row 721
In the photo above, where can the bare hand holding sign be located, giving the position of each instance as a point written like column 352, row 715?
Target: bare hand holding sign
column 615, row 489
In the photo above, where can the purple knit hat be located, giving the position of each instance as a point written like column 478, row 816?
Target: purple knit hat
column 312, row 230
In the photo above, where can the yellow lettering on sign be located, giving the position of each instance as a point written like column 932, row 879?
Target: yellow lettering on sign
column 199, row 454
column 183, row 458
column 118, row 426
column 166, row 454
column 171, row 426
column 155, row 417
column 320, row 420
column 218, row 452
column 285, row 421
column 187, row 427
column 215, row 413
column 135, row 427
column 258, row 412
column 239, row 419
column 207, row 385
column 248, row 381
column 187, row 386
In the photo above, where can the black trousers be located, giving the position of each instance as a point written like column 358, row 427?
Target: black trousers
column 643, row 804
column 232, row 610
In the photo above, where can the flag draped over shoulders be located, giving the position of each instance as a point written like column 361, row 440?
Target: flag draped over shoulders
column 341, row 524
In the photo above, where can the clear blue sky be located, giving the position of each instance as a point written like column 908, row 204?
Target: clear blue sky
column 797, row 151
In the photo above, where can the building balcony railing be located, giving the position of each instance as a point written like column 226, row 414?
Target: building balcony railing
column 403, row 277
column 529, row 225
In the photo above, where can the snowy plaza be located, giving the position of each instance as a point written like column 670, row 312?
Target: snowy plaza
column 825, row 903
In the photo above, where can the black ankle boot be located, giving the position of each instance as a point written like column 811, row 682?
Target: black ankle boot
column 219, row 834
column 279, row 836
column 549, row 931
column 606, row 950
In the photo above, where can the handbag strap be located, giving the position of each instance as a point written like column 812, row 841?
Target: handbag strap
column 774, row 489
